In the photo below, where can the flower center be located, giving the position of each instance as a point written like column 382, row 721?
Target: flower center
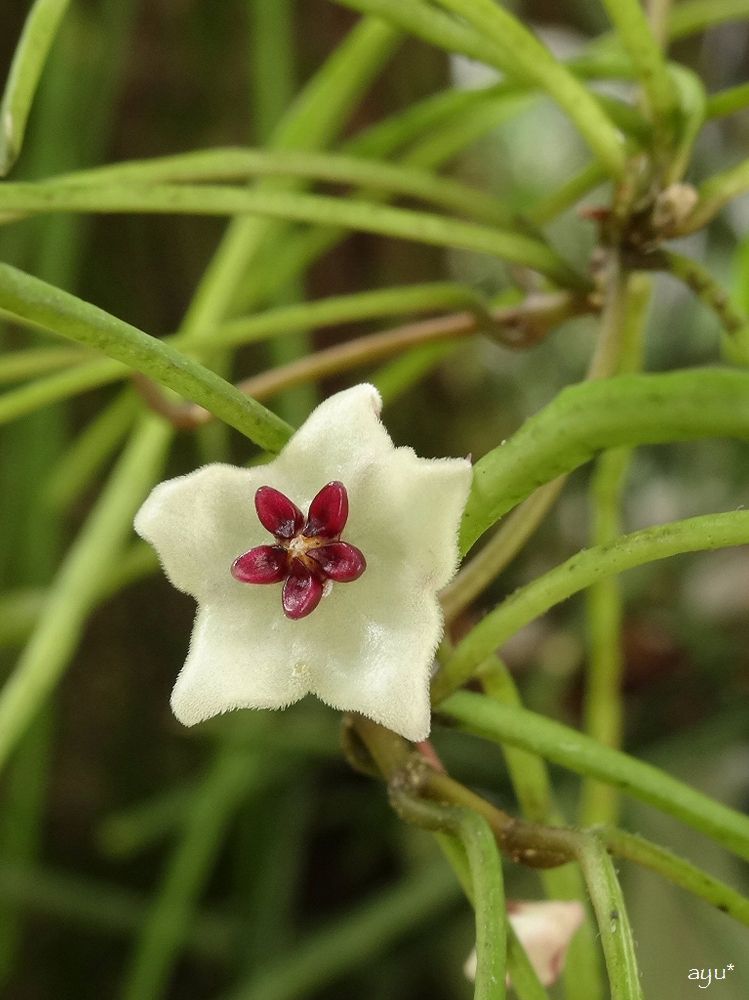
column 308, row 554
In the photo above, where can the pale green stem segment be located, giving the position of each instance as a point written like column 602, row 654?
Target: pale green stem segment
column 103, row 908
column 602, row 706
column 479, row 715
column 677, row 870
column 613, row 923
column 29, row 58
column 52, row 309
column 588, row 179
column 230, row 779
column 142, row 826
column 20, row 609
column 76, row 469
column 314, row 118
column 716, row 192
column 583, row 419
column 344, row 944
column 524, row 981
column 710, row 531
column 528, row 772
column 637, row 38
column 237, row 164
column 79, row 582
column 41, row 392
column 16, row 366
column 733, row 319
column 527, row 58
column 367, row 216
column 498, row 39
column 339, row 309
column 691, row 16
column 728, row 101
column 435, row 296
column 486, row 883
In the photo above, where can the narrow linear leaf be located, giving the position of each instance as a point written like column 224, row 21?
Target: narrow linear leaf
column 30, row 56
column 367, row 216
column 481, row 716
column 52, row 309
column 584, row 419
column 711, row 531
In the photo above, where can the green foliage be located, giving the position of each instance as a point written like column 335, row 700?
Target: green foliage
column 501, row 212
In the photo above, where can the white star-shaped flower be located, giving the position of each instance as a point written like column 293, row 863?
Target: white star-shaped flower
column 342, row 602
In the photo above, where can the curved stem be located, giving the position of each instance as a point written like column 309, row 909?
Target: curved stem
column 586, row 418
column 366, row 216
column 711, row 531
column 29, row 58
column 485, row 869
column 51, row 308
column 479, row 715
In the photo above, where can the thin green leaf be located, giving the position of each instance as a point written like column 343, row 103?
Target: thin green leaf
column 367, row 216
column 477, row 714
column 30, row 56
column 711, row 531
column 613, row 923
column 584, row 419
column 52, row 309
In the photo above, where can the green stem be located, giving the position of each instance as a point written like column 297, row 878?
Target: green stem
column 344, row 944
column 52, row 309
column 102, row 908
column 695, row 534
column 366, row 216
column 691, row 16
column 677, row 870
column 230, row 778
column 727, row 102
column 502, row 41
column 735, row 322
column 338, row 310
column 563, row 198
column 64, row 385
column 602, row 706
column 638, row 40
column 31, row 53
column 714, row 193
column 239, row 164
column 479, row 715
column 613, row 923
column 78, row 583
column 19, row 365
column 76, row 469
column 528, row 772
column 487, row 891
column 583, row 419
column 532, row 786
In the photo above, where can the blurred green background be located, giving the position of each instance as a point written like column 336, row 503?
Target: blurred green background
column 305, row 884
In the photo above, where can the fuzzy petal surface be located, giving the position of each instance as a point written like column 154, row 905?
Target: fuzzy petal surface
column 369, row 645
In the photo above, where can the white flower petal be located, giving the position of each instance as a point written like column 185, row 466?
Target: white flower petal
column 230, row 666
column 199, row 523
column 369, row 646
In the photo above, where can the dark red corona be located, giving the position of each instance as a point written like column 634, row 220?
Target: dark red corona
column 307, row 551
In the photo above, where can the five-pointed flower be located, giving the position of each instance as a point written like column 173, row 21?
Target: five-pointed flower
column 358, row 620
